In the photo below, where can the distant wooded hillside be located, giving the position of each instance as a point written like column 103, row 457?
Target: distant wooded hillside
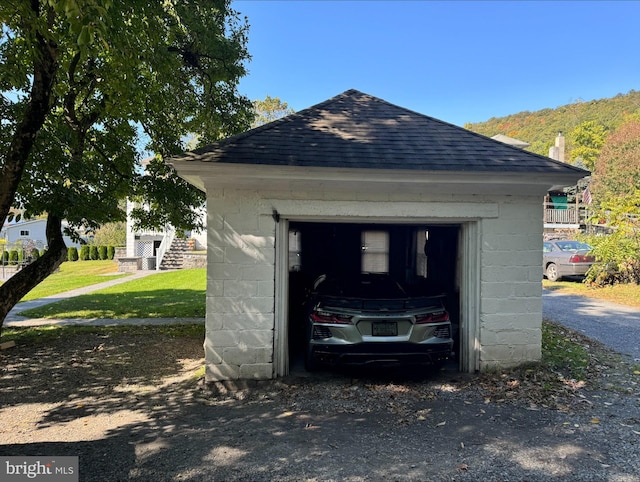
column 541, row 127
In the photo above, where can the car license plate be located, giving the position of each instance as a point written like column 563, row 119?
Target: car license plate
column 384, row 328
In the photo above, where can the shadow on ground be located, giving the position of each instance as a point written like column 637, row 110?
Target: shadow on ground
column 132, row 408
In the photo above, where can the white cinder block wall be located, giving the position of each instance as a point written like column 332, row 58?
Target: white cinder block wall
column 240, row 290
column 511, row 285
column 240, row 320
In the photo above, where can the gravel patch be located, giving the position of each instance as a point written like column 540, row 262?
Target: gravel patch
column 133, row 407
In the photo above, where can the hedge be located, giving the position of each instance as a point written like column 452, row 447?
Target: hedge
column 84, row 252
column 72, row 254
column 13, row 256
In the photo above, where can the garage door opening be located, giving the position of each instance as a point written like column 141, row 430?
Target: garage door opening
column 423, row 258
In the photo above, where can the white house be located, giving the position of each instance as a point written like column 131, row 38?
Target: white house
column 33, row 230
column 299, row 196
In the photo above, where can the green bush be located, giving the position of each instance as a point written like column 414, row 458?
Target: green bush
column 84, row 252
column 93, row 252
column 13, row 256
column 72, row 254
column 35, row 254
column 111, row 252
column 102, row 252
column 617, row 259
column 5, row 257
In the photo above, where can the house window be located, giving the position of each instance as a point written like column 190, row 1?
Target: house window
column 24, row 233
column 295, row 250
column 421, row 254
column 375, row 252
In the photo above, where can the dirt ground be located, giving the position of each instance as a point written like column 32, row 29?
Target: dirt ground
column 133, row 406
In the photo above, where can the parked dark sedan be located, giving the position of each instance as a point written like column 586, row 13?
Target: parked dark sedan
column 565, row 258
column 370, row 319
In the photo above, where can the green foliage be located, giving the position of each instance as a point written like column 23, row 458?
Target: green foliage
column 129, row 78
column 617, row 254
column 13, row 256
column 269, row 109
column 5, row 257
column 102, row 252
column 587, row 140
column 72, row 254
column 111, row 234
column 35, row 254
column 541, row 127
column 93, row 252
column 111, row 252
column 84, row 253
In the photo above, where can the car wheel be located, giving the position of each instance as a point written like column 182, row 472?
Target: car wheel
column 310, row 362
column 552, row 272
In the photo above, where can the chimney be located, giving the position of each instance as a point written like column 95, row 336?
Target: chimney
column 557, row 152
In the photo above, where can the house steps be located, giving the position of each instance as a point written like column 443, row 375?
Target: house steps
column 174, row 257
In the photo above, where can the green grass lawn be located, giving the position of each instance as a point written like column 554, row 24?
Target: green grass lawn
column 76, row 274
column 171, row 294
column 628, row 294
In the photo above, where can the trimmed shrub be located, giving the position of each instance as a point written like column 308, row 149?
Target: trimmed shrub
column 111, row 252
column 5, row 257
column 102, row 252
column 93, row 252
column 72, row 254
column 35, row 254
column 84, row 252
column 13, row 256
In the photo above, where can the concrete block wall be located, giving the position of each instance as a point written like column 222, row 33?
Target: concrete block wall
column 511, row 285
column 240, row 289
column 241, row 270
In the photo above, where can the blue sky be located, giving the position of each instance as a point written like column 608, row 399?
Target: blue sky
column 458, row 61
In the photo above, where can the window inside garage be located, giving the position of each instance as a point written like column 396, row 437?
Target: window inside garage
column 424, row 259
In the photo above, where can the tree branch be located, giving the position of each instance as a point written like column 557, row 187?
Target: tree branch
column 45, row 67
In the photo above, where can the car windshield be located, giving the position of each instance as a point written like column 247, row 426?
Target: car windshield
column 363, row 286
column 573, row 246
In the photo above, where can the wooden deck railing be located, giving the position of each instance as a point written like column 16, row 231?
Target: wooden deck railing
column 575, row 214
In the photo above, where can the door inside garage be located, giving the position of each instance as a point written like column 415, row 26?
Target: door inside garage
column 424, row 258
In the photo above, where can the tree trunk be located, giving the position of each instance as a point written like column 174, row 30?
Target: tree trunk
column 45, row 66
column 32, row 274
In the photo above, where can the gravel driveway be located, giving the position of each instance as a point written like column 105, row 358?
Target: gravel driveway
column 616, row 326
column 131, row 408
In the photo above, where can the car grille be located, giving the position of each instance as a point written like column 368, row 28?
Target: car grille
column 320, row 332
column 442, row 332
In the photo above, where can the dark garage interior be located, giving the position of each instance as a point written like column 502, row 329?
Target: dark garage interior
column 422, row 258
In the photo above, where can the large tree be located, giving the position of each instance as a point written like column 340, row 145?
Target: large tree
column 587, row 140
column 269, row 109
column 616, row 193
column 87, row 87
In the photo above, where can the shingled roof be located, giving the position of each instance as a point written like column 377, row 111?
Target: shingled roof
column 357, row 130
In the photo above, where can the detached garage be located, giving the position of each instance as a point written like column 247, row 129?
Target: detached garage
column 357, row 184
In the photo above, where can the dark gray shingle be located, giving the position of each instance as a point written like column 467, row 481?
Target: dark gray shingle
column 357, row 130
